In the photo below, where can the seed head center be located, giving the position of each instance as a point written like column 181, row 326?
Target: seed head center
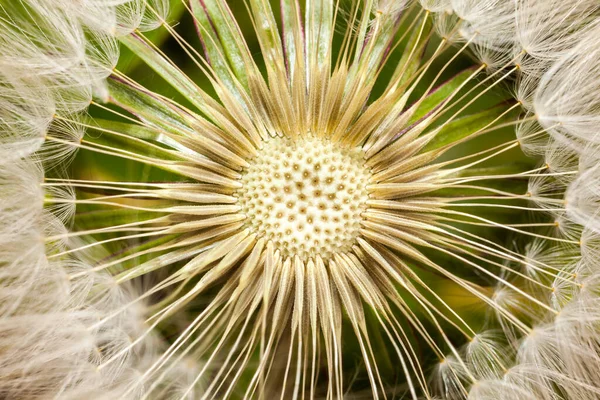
column 306, row 196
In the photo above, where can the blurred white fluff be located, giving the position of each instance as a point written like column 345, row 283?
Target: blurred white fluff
column 583, row 199
column 568, row 105
column 567, row 102
column 49, row 331
column 45, row 343
column 532, row 139
column 118, row 17
column 70, row 45
column 558, row 359
column 543, row 29
column 436, row 5
column 56, row 331
column 491, row 22
column 555, row 44
column 56, row 50
column 532, row 34
column 546, row 29
column 486, row 355
column 27, row 111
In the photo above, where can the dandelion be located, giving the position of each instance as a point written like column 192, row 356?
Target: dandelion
column 321, row 199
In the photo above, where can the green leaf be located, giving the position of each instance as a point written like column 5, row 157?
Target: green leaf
column 318, row 31
column 267, row 33
column 224, row 28
column 147, row 107
column 134, row 130
column 412, row 56
column 459, row 129
column 172, row 74
column 291, row 32
column 110, row 134
column 99, row 218
column 437, row 96
column 214, row 50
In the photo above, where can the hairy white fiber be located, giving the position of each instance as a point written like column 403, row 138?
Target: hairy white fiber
column 545, row 29
column 117, row 17
column 48, row 349
column 436, row 5
column 27, row 111
column 56, row 51
column 487, row 355
column 52, row 55
column 583, row 198
column 491, row 22
column 567, row 101
column 531, row 143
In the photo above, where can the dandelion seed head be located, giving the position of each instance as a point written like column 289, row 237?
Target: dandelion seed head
column 345, row 183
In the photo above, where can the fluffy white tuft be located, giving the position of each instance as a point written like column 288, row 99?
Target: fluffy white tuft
column 583, row 199
column 436, row 5
column 491, row 22
column 546, row 29
column 567, row 101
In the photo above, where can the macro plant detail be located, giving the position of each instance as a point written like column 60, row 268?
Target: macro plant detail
column 305, row 196
column 299, row 199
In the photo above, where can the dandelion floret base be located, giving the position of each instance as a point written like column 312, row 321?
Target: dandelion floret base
column 306, row 196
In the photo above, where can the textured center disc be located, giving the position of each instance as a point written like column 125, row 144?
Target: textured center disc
column 306, row 196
